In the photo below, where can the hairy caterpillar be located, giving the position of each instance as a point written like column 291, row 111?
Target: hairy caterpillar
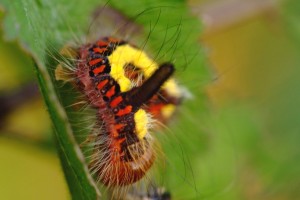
column 130, row 93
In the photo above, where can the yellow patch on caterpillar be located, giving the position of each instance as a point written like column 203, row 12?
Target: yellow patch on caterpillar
column 126, row 54
column 68, row 51
column 62, row 73
column 141, row 123
column 172, row 88
column 168, row 110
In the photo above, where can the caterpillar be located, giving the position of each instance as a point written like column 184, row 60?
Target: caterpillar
column 130, row 93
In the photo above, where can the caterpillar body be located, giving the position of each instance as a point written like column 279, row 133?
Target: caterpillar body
column 131, row 93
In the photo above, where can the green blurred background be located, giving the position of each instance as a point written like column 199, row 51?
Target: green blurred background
column 249, row 137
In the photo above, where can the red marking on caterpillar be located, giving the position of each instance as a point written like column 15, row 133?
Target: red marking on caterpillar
column 101, row 84
column 116, row 101
column 94, row 62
